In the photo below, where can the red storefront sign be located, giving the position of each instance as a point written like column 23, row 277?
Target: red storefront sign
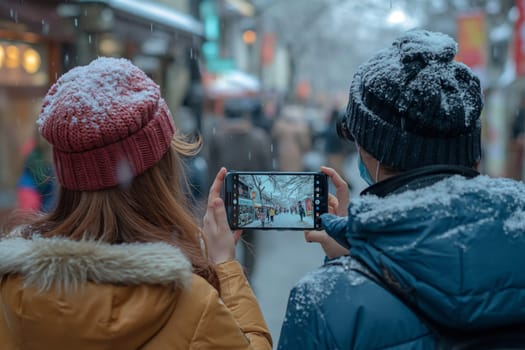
column 308, row 204
column 519, row 41
column 471, row 37
column 268, row 48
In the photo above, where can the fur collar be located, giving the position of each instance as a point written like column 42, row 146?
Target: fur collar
column 67, row 264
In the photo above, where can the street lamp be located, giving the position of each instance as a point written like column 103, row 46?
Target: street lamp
column 396, row 17
column 31, row 61
column 249, row 37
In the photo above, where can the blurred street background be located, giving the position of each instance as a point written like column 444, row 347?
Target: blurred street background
column 266, row 78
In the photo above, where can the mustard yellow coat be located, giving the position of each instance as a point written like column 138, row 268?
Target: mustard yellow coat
column 60, row 294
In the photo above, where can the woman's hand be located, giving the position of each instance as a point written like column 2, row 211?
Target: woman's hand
column 337, row 205
column 219, row 238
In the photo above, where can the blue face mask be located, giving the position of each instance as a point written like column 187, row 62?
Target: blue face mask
column 363, row 171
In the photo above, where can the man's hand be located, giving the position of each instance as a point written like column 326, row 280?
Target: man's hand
column 337, row 205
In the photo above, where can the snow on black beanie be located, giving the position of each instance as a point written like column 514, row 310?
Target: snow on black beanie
column 412, row 105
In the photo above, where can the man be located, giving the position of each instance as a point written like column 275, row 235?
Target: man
column 239, row 145
column 431, row 254
column 292, row 136
column 301, row 211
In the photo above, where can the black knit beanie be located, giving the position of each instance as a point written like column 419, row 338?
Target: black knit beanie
column 412, row 105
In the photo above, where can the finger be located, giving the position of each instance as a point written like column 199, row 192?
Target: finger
column 341, row 190
column 307, row 236
column 236, row 235
column 340, row 184
column 333, row 204
column 215, row 189
column 209, row 226
column 219, row 214
column 336, row 178
column 315, row 236
column 332, row 200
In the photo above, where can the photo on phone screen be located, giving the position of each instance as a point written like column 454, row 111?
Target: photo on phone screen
column 284, row 201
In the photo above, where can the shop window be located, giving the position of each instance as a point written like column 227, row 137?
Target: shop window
column 24, row 79
column 23, row 64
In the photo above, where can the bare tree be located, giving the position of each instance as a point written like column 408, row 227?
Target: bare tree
column 328, row 39
column 258, row 184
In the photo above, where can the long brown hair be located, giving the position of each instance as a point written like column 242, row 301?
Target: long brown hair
column 153, row 208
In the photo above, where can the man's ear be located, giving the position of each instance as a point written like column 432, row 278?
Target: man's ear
column 477, row 166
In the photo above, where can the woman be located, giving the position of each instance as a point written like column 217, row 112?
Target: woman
column 120, row 263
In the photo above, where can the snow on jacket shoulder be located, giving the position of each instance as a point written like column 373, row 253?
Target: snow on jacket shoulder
column 336, row 307
column 453, row 248
column 62, row 294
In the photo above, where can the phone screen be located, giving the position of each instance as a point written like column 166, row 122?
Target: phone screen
column 276, row 201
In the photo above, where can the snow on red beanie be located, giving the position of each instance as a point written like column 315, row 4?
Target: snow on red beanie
column 106, row 122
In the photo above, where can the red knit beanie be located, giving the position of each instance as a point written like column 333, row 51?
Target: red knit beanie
column 106, row 122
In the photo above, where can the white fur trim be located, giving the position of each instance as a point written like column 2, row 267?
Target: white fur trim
column 67, row 264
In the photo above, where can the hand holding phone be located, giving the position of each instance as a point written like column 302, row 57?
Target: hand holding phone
column 221, row 243
column 336, row 205
column 276, row 200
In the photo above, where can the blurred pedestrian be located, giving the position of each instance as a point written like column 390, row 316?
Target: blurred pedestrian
column 301, row 211
column 236, row 143
column 517, row 143
column 120, row 262
column 239, row 145
column 258, row 115
column 36, row 186
column 292, row 136
column 261, row 216
column 431, row 255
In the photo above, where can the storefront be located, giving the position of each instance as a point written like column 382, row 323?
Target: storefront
column 246, row 211
column 25, row 75
column 156, row 37
column 42, row 39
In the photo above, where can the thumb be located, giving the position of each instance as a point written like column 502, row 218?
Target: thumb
column 315, row 236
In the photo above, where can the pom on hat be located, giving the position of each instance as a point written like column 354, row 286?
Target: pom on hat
column 411, row 105
column 106, row 122
column 426, row 46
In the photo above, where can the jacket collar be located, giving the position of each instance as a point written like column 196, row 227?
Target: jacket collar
column 67, row 264
column 417, row 178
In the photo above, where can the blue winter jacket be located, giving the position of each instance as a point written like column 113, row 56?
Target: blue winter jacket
column 455, row 248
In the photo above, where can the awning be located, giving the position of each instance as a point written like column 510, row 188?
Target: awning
column 244, row 201
column 233, row 83
column 154, row 13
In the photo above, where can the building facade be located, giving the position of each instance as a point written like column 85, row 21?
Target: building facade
column 40, row 40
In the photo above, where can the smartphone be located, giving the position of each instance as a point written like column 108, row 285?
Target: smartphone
column 275, row 200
